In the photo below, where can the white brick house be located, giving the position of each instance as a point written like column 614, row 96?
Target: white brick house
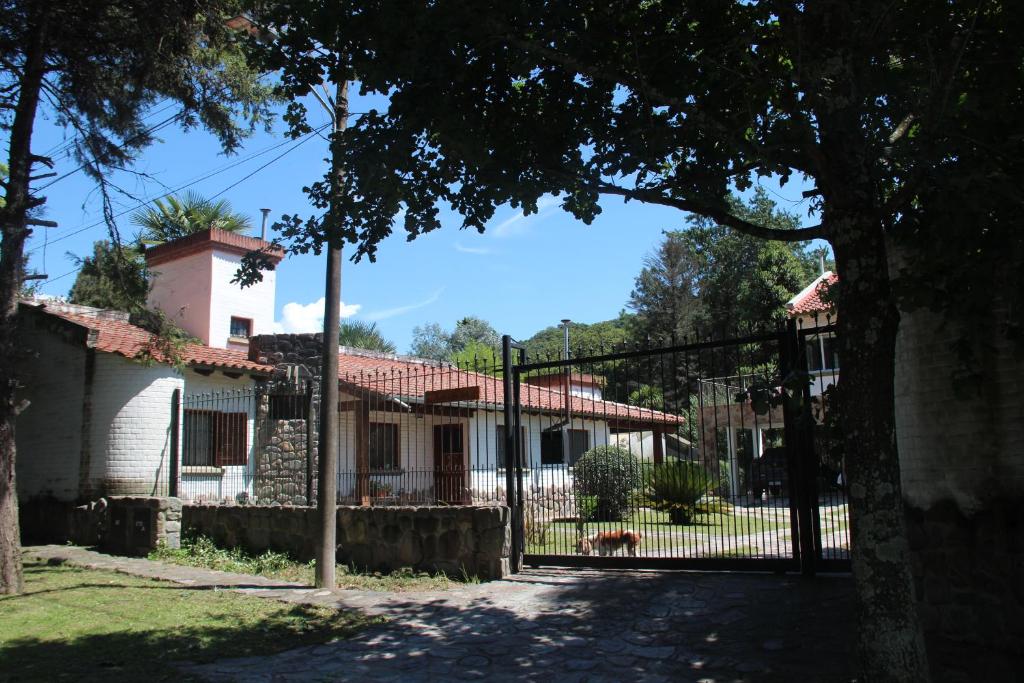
column 98, row 420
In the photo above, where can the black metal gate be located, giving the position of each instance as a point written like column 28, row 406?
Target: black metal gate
column 710, row 454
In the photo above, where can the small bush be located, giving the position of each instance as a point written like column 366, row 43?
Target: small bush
column 610, row 475
column 677, row 488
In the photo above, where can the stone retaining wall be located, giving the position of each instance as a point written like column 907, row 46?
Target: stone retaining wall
column 126, row 525
column 471, row 540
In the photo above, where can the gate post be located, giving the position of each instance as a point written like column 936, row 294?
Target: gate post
column 795, row 411
column 511, row 456
column 175, row 454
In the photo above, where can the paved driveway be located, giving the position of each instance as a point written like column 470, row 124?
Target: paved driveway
column 559, row 625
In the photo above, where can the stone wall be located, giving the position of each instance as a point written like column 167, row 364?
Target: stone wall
column 283, row 466
column 471, row 540
column 124, row 525
column 137, row 525
column 284, row 469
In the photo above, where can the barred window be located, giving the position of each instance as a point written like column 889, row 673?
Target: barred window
column 384, row 446
column 213, row 438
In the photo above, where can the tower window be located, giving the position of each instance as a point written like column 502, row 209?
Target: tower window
column 241, row 327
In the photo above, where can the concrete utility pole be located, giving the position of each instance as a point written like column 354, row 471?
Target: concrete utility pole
column 327, row 443
column 327, row 448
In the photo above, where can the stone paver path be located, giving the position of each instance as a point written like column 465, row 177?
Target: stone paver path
column 555, row 625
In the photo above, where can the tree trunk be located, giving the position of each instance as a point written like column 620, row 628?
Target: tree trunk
column 14, row 228
column 890, row 637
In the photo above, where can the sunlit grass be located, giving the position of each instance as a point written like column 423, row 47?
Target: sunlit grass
column 202, row 552
column 85, row 625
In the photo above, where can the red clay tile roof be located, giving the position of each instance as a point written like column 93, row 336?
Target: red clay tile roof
column 232, row 242
column 809, row 300
column 114, row 335
column 409, row 380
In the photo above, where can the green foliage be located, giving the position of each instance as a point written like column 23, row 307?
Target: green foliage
column 724, row 479
column 479, row 357
column 168, row 341
column 609, row 475
column 712, row 278
column 363, row 335
column 677, row 487
column 583, row 338
column 433, row 341
column 647, row 396
column 201, row 551
column 175, row 217
column 111, row 278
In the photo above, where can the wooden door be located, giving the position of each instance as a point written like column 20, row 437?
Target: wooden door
column 450, row 464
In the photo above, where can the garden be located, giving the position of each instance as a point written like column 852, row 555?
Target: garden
column 677, row 507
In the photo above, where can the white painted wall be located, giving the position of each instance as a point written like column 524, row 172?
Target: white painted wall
column 255, row 302
column 49, row 432
column 181, row 289
column 196, row 292
column 131, row 411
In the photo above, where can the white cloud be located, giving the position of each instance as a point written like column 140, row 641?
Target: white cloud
column 296, row 317
column 510, row 226
column 401, row 310
column 472, row 250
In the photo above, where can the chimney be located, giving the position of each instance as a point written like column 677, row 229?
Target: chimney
column 821, row 261
column 263, row 228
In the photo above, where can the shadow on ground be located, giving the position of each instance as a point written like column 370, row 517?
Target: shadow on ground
column 71, row 624
column 590, row 625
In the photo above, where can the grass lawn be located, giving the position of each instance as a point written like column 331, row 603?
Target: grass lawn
column 85, row 625
column 202, row 552
column 729, row 533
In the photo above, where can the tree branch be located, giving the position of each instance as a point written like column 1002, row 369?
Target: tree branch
column 721, row 216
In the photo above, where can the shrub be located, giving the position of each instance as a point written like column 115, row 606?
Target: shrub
column 609, row 474
column 677, row 488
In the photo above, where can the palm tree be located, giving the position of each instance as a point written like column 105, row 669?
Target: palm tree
column 179, row 217
column 363, row 335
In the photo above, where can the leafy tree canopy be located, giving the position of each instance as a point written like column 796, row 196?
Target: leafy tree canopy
column 111, row 278
column 583, row 338
column 433, row 341
column 712, row 278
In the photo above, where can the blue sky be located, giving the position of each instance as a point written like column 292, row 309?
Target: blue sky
column 523, row 274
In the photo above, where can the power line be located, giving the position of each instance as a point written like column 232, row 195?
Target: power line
column 190, row 183
column 65, row 146
column 152, row 129
column 288, row 151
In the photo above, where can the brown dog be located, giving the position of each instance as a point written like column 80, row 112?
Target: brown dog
column 609, row 542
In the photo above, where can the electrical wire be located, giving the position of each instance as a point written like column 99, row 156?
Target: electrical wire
column 295, row 145
column 197, row 180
